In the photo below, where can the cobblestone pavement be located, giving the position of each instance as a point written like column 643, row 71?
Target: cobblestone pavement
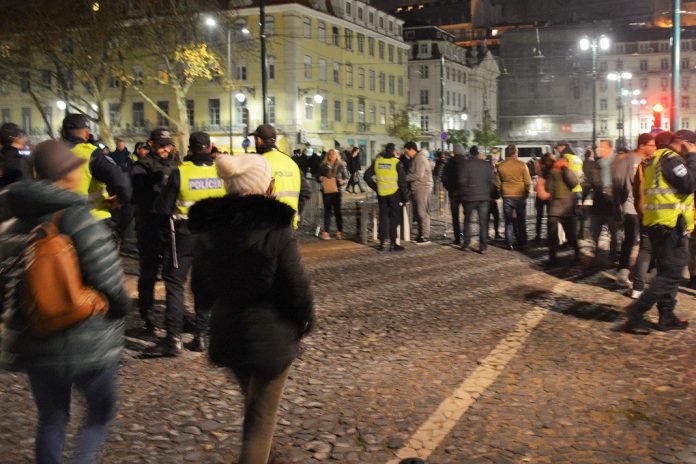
column 455, row 356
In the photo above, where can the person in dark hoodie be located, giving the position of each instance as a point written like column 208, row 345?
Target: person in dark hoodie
column 85, row 355
column 474, row 185
column 247, row 268
column 14, row 166
column 387, row 177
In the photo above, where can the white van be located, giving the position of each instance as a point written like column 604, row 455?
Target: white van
column 527, row 151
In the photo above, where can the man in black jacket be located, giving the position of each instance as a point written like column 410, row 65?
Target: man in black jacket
column 450, row 173
column 14, row 165
column 475, row 182
column 149, row 175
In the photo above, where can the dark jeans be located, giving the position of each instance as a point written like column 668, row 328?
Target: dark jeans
column 540, row 206
column 389, row 216
column 643, row 261
column 481, row 207
column 569, row 227
column 597, row 223
column 519, row 223
column 631, row 224
column 495, row 213
column 455, row 206
column 332, row 201
column 353, row 181
column 174, row 279
column 52, row 397
column 671, row 252
column 150, row 258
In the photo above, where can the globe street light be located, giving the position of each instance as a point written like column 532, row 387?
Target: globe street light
column 318, row 98
column 593, row 43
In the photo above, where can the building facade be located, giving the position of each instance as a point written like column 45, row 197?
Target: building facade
column 450, row 87
column 337, row 75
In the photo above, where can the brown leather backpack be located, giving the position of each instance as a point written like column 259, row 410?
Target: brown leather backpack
column 56, row 298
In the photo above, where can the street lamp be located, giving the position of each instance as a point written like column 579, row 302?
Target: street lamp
column 593, row 43
column 61, row 105
column 211, row 23
column 620, row 77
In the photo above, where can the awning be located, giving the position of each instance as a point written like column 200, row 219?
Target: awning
column 315, row 141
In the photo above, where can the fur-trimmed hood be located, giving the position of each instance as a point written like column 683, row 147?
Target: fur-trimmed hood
column 253, row 212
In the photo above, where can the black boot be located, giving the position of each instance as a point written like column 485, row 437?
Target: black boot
column 395, row 247
column 668, row 321
column 198, row 344
column 381, row 246
column 169, row 347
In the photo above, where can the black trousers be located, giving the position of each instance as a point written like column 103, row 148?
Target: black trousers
column 671, row 253
column 631, row 224
column 569, row 224
column 455, row 207
column 516, row 226
column 353, row 181
column 495, row 214
column 150, row 258
column 174, row 278
column 389, row 216
column 332, row 202
column 481, row 208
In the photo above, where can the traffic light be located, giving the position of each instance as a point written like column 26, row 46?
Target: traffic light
column 657, row 116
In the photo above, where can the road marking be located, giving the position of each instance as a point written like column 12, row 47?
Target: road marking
column 429, row 436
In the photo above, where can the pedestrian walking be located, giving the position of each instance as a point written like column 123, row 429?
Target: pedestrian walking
column 420, row 179
column 451, row 173
column 252, row 276
column 14, row 164
column 513, row 182
column 623, row 173
column 555, row 184
column 669, row 185
column 149, row 175
column 333, row 175
column 493, row 197
column 603, row 210
column 589, row 164
column 386, row 176
column 475, row 182
column 354, row 170
column 85, row 355
column 194, row 180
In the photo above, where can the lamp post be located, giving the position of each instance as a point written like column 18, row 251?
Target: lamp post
column 586, row 43
column 212, row 23
column 620, row 77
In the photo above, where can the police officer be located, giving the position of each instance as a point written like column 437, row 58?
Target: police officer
column 149, row 175
column 290, row 186
column 103, row 182
column 392, row 193
column 14, row 159
column 194, row 180
column 574, row 163
column 668, row 214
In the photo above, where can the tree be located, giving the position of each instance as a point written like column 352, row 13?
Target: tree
column 66, row 57
column 403, row 129
column 169, row 35
column 487, row 136
column 458, row 136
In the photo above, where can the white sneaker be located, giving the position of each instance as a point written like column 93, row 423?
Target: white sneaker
column 622, row 277
column 635, row 294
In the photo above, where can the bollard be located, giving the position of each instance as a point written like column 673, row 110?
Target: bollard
column 358, row 222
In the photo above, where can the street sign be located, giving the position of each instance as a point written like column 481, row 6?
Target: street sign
column 444, row 136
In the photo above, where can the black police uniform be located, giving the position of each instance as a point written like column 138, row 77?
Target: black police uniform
column 390, row 210
column 670, row 248
column 149, row 175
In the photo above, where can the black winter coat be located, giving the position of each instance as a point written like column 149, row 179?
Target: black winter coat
column 97, row 342
column 247, row 267
column 14, row 166
column 475, row 180
column 149, row 176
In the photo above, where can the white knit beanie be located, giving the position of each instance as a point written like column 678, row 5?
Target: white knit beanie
column 244, row 174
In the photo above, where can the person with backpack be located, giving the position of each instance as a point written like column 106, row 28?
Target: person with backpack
column 84, row 355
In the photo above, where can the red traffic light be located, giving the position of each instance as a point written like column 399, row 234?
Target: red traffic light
column 657, row 116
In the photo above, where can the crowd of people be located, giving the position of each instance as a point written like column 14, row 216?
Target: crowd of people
column 228, row 220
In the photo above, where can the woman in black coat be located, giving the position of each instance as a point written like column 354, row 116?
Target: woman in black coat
column 247, row 268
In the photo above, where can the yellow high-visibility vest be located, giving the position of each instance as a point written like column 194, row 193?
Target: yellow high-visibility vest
column 663, row 204
column 197, row 183
column 575, row 165
column 387, row 176
column 94, row 190
column 288, row 180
